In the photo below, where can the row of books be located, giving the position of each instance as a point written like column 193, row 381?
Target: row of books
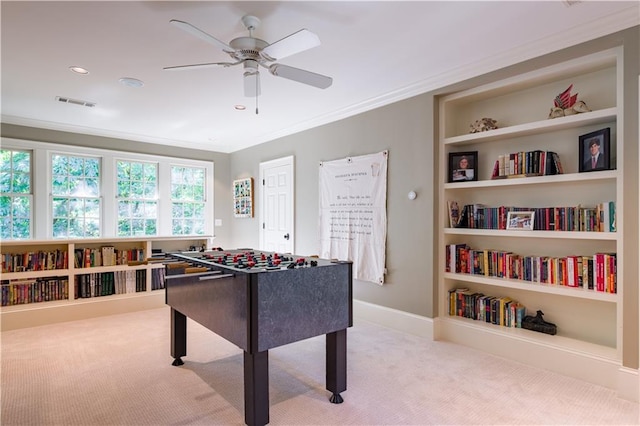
column 107, row 256
column 36, row 290
column 34, row 261
column 501, row 311
column 597, row 272
column 18, row 292
column 157, row 278
column 108, row 283
column 601, row 218
column 536, row 162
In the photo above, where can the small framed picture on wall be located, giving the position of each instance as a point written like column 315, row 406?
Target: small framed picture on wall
column 463, row 166
column 595, row 151
column 243, row 197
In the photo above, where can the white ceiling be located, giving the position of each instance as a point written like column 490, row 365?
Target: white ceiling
column 377, row 53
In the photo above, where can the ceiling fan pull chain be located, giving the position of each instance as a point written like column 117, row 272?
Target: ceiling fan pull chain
column 257, row 77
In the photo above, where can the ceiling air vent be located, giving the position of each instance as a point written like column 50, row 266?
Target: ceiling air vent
column 75, row 102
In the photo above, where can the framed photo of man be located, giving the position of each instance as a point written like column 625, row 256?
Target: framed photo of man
column 463, row 166
column 595, row 151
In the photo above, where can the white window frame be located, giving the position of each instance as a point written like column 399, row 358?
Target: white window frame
column 206, row 185
column 28, row 195
column 41, row 190
column 68, row 196
column 156, row 199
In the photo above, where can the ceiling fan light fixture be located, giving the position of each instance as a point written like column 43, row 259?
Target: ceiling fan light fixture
column 78, row 70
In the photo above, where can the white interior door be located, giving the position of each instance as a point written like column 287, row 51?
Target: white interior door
column 276, row 205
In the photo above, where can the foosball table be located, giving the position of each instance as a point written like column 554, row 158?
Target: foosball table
column 259, row 301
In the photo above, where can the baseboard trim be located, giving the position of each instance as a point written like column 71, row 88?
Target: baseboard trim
column 629, row 384
column 37, row 314
column 610, row 374
column 392, row 318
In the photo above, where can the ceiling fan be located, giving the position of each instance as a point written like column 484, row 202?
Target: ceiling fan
column 254, row 53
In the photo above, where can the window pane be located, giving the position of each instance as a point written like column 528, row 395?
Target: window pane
column 91, row 188
column 187, row 196
column 16, row 198
column 150, row 173
column 22, row 183
column 150, row 227
column 60, row 185
column 60, row 228
column 149, row 190
column 22, row 161
column 177, row 227
column 76, row 166
column 92, row 228
column 92, row 208
column 137, row 190
column 136, row 171
column 124, row 228
column 123, row 189
column 123, row 169
column 21, row 228
column 76, row 186
column 60, row 207
column 137, row 181
column 5, row 206
column 5, row 160
column 21, row 207
column 5, row 181
column 59, row 165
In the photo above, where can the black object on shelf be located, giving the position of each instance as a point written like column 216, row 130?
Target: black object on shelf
column 537, row 323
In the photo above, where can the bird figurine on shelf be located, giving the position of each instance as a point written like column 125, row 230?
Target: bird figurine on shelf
column 567, row 104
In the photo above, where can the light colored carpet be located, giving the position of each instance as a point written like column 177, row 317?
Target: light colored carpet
column 117, row 370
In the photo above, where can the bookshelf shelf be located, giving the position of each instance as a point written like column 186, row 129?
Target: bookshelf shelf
column 608, row 175
column 35, row 274
column 538, row 127
column 589, row 322
column 48, row 296
column 603, row 236
column 535, row 287
column 561, row 343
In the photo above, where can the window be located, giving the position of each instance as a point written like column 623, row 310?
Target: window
column 15, row 194
column 187, row 200
column 137, row 194
column 53, row 191
column 75, row 189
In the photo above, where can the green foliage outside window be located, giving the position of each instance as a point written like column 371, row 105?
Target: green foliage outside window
column 15, row 194
column 137, row 189
column 187, row 196
column 75, row 187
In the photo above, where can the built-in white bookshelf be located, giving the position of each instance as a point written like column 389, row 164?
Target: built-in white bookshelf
column 50, row 292
column 588, row 343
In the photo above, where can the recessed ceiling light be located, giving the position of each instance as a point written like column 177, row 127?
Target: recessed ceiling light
column 131, row 82
column 79, row 70
column 240, row 107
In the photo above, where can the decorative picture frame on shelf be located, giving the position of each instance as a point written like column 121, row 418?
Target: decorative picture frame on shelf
column 243, row 197
column 520, row 221
column 463, row 166
column 595, row 152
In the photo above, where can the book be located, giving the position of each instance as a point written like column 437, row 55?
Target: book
column 454, row 213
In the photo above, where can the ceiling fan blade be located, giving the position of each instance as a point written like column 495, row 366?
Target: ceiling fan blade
column 206, row 65
column 307, row 77
column 185, row 26
column 251, row 84
column 290, row 45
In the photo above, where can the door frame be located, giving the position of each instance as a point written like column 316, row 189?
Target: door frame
column 283, row 161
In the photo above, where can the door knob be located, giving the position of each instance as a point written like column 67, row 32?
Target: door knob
column 286, row 236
